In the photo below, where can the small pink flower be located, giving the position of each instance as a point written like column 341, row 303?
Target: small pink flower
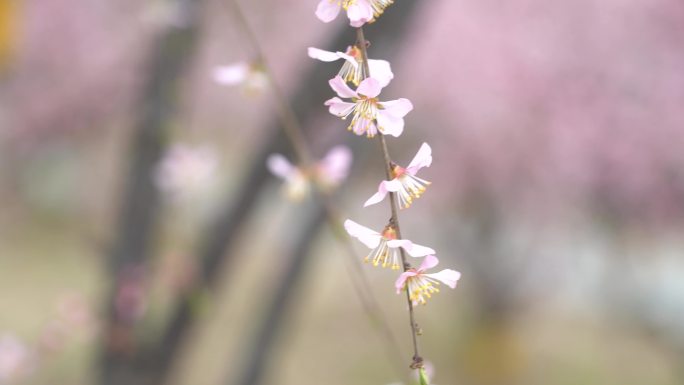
column 367, row 109
column 359, row 12
column 420, row 285
column 296, row 182
column 334, row 167
column 186, row 171
column 404, row 180
column 329, row 172
column 353, row 70
column 385, row 246
column 251, row 76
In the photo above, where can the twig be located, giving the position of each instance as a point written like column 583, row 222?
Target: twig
column 394, row 219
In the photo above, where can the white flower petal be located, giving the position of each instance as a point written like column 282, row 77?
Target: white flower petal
column 422, row 159
column 401, row 281
column 411, row 248
column 280, row 166
column 369, row 87
column 367, row 236
column 429, row 262
column 327, row 11
column 391, row 185
column 375, row 198
column 390, row 125
column 340, row 86
column 338, row 107
column 397, row 108
column 359, row 13
column 447, row 276
column 394, row 243
column 322, row 55
column 381, row 70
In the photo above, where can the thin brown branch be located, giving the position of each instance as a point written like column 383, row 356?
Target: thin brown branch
column 287, row 116
column 417, row 362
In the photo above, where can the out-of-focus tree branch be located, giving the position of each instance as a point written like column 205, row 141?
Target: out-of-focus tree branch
column 120, row 358
column 282, row 302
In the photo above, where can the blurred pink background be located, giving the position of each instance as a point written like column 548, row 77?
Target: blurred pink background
column 558, row 190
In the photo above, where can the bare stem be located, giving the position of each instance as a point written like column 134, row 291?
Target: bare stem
column 394, row 219
column 292, row 128
column 288, row 118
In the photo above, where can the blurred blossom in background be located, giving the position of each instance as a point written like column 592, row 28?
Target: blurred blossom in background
column 557, row 190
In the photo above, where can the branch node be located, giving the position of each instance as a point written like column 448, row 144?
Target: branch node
column 417, row 362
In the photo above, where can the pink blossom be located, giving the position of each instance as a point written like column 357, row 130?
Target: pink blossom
column 352, row 70
column 328, row 173
column 359, row 12
column 296, row 180
column 404, row 180
column 186, row 171
column 420, row 285
column 367, row 110
column 334, row 167
column 251, row 76
column 385, row 246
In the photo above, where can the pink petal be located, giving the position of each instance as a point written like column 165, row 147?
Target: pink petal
column 401, row 281
column 364, row 126
column 429, row 262
column 322, row 55
column 350, row 59
column 335, row 165
column 390, row 125
column 384, row 187
column 392, row 185
column 378, row 196
column 367, row 236
column 280, row 166
column 422, row 159
column 231, row 74
column 340, row 86
column 411, row 248
column 375, row 198
column 327, row 10
column 380, row 70
column 390, row 118
column 397, row 108
column 359, row 13
column 416, row 250
column 338, row 107
column 369, row 87
column 357, row 23
column 447, row 276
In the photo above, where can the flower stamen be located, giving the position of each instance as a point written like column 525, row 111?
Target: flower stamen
column 383, row 254
column 349, row 72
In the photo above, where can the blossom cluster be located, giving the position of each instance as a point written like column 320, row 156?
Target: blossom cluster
column 358, row 85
